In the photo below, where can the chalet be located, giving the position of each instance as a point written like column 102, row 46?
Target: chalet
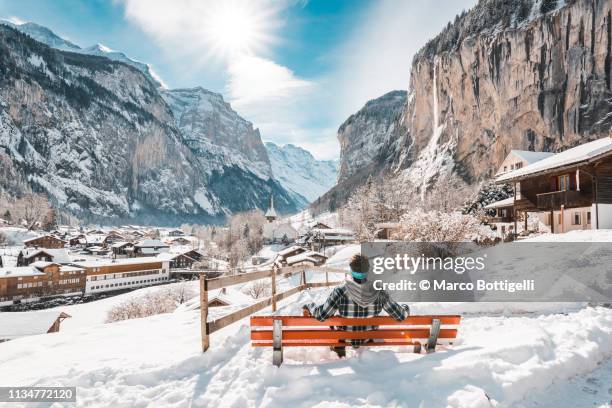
column 503, row 218
column 28, row 256
column 180, row 241
column 150, row 247
column 95, row 240
column 176, row 233
column 571, row 190
column 45, row 241
column 39, row 280
column 183, row 260
column 518, row 159
column 320, row 238
column 118, row 274
column 77, row 240
column 384, row 230
column 113, row 237
column 20, row 324
column 320, row 225
column 307, row 258
column 122, row 249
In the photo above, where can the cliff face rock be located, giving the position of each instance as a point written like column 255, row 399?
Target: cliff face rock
column 506, row 75
column 299, row 172
column 364, row 134
column 99, row 139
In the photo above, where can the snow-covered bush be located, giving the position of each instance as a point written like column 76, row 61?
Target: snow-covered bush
column 149, row 304
column 258, row 289
column 447, row 228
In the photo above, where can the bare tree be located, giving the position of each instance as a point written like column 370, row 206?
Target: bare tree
column 33, row 209
column 258, row 289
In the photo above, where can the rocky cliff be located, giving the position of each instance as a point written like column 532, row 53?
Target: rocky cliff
column 521, row 74
column 97, row 136
column 508, row 74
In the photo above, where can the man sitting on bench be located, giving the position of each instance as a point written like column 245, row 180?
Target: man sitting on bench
column 357, row 298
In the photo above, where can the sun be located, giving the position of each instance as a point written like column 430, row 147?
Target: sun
column 238, row 28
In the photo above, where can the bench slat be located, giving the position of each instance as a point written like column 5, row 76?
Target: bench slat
column 327, row 343
column 314, row 334
column 289, row 321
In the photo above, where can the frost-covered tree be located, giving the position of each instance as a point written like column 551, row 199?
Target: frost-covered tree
column 33, row 210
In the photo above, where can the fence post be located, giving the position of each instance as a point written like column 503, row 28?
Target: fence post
column 274, row 269
column 204, row 311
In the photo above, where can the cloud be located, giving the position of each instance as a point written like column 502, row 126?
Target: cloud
column 377, row 56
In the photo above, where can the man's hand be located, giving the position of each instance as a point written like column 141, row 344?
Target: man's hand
column 305, row 311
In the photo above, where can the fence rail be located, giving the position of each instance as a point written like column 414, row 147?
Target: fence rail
column 217, row 283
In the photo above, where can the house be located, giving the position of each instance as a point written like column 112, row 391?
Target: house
column 122, row 249
column 307, row 258
column 150, row 247
column 113, row 237
column 503, row 218
column 320, row 238
column 182, row 260
column 277, row 232
column 28, row 256
column 45, row 241
column 39, row 280
column 95, row 240
column 20, row 324
column 384, row 230
column 518, row 159
column 180, row 241
column 570, row 190
column 107, row 275
column 320, row 225
column 77, row 240
column 176, row 233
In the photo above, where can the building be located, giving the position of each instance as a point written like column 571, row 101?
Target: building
column 39, row 280
column 271, row 212
column 518, row 159
column 320, row 238
column 45, row 241
column 122, row 249
column 117, row 274
column 503, row 218
column 20, row 324
column 95, row 240
column 180, row 241
column 150, row 247
column 571, row 190
column 384, row 230
column 307, row 258
column 30, row 255
column 278, row 232
column 176, row 233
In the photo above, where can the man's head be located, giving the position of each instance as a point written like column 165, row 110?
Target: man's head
column 359, row 265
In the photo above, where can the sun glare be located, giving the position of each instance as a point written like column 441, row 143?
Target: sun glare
column 237, row 28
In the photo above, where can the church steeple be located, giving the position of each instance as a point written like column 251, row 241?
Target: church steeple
column 271, row 213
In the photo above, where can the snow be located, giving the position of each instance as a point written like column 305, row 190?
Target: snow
column 20, row 271
column 157, row 361
column 507, row 202
column 19, row 324
column 531, row 157
column 574, row 155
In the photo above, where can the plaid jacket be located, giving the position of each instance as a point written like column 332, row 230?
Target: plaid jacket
column 338, row 301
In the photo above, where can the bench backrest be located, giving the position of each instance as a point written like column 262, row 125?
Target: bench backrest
column 307, row 331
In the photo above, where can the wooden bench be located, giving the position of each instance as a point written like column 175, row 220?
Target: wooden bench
column 304, row 331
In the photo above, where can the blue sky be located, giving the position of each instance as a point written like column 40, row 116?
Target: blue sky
column 295, row 68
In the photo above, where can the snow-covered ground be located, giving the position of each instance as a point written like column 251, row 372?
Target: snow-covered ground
column 506, row 355
column 156, row 361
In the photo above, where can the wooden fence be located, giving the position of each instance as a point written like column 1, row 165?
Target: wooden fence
column 207, row 285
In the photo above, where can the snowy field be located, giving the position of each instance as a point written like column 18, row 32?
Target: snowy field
column 514, row 359
column 506, row 355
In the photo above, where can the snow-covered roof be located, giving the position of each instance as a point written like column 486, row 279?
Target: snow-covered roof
column 112, row 262
column 305, row 256
column 95, row 239
column 120, row 244
column 506, row 202
column 151, row 243
column 19, row 324
column 290, row 250
column 332, row 231
column 40, row 265
column 19, row 271
column 41, row 236
column 531, row 157
column 578, row 154
column 59, row 255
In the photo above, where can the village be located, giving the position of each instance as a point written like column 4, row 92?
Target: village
column 552, row 193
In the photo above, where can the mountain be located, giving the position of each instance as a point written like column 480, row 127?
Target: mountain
column 100, row 139
column 507, row 74
column 46, row 36
column 299, row 172
column 368, row 140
